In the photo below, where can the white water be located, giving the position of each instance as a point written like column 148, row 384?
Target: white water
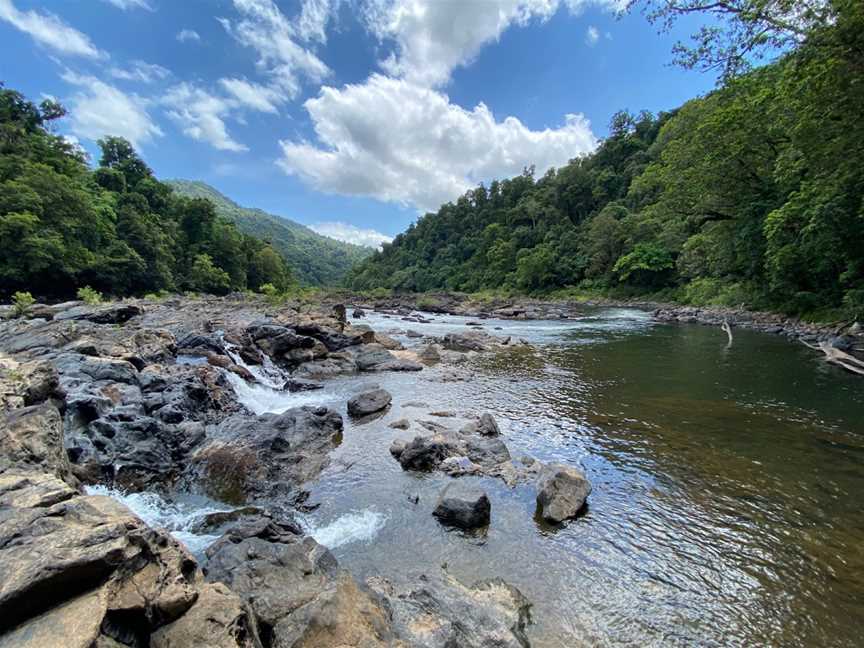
column 261, row 398
column 178, row 518
column 357, row 526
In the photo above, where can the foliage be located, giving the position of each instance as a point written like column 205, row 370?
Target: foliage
column 89, row 296
column 21, row 303
column 315, row 260
column 752, row 194
column 115, row 229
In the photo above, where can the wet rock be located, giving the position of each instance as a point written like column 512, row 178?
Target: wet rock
column 462, row 506
column 486, row 425
column 435, row 612
column 330, row 366
column 413, row 334
column 374, row 357
column 358, row 313
column 561, row 492
column 459, row 466
column 423, row 452
column 276, row 340
column 331, row 339
column 464, row 342
column 400, row 424
column 295, row 385
column 247, row 458
column 369, row 402
column 388, row 342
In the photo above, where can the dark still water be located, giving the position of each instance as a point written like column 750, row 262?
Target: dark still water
column 727, row 502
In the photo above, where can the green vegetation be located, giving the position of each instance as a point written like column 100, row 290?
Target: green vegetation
column 89, row 296
column 315, row 260
column 115, row 229
column 753, row 194
column 21, row 303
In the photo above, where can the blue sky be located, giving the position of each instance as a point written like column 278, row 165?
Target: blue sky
column 353, row 116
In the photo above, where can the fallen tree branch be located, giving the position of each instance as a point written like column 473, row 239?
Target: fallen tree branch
column 840, row 358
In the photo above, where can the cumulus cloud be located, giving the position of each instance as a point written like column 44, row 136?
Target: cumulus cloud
column 265, row 29
column 126, row 5
column 398, row 141
column 433, row 38
column 188, row 36
column 50, row 31
column 592, row 36
column 101, row 109
column 201, row 116
column 252, row 95
column 141, row 72
column 351, row 234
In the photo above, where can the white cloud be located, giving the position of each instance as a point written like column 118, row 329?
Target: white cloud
column 125, row 5
column 592, row 36
column 200, row 115
column 188, row 35
column 50, row 31
column 252, row 95
column 264, row 28
column 351, row 234
column 101, row 109
column 140, row 71
column 433, row 38
column 315, row 15
column 397, row 141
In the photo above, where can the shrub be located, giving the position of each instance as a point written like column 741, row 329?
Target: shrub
column 21, row 303
column 89, row 296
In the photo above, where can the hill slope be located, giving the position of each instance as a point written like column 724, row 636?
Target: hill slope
column 753, row 194
column 314, row 259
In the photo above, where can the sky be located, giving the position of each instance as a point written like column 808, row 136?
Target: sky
column 351, row 116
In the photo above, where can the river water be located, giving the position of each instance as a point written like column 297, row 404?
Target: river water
column 727, row 504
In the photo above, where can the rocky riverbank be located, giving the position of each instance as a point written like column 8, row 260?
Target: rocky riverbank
column 143, row 396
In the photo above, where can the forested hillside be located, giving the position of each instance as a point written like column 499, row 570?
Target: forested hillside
column 315, row 259
column 116, row 229
column 752, row 194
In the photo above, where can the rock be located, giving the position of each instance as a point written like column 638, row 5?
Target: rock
column 295, row 385
column 435, row 612
column 247, row 458
column 486, row 425
column 424, row 453
column 374, row 357
column 31, row 438
column 330, row 366
column 298, row 593
column 561, row 492
column 463, row 507
column 27, row 383
column 464, row 342
column 111, row 314
column 388, row 342
column 369, row 402
column 56, row 545
column 331, row 339
column 460, row 466
column 358, row 313
column 400, row 424
column 276, row 340
column 413, row 334
column 219, row 619
column 430, row 354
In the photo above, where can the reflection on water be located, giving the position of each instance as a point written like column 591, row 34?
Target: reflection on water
column 724, row 510
column 726, row 505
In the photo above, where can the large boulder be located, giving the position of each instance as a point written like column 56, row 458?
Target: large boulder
column 31, row 438
column 27, row 383
column 486, row 425
column 369, row 402
column 56, row 545
column 374, row 357
column 298, row 593
column 561, row 492
column 440, row 612
column 463, row 506
column 249, row 457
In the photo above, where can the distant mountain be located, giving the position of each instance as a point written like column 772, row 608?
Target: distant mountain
column 316, row 260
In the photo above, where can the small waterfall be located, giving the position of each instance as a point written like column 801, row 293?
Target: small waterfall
column 357, row 526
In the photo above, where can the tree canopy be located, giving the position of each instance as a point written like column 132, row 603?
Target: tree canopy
column 116, row 228
column 753, row 193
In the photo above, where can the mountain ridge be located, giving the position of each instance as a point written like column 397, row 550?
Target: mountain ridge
column 314, row 258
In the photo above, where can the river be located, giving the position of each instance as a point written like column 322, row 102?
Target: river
column 726, row 508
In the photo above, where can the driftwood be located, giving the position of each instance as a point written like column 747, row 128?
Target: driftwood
column 728, row 329
column 838, row 357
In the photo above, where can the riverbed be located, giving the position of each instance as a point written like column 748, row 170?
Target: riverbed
column 726, row 504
